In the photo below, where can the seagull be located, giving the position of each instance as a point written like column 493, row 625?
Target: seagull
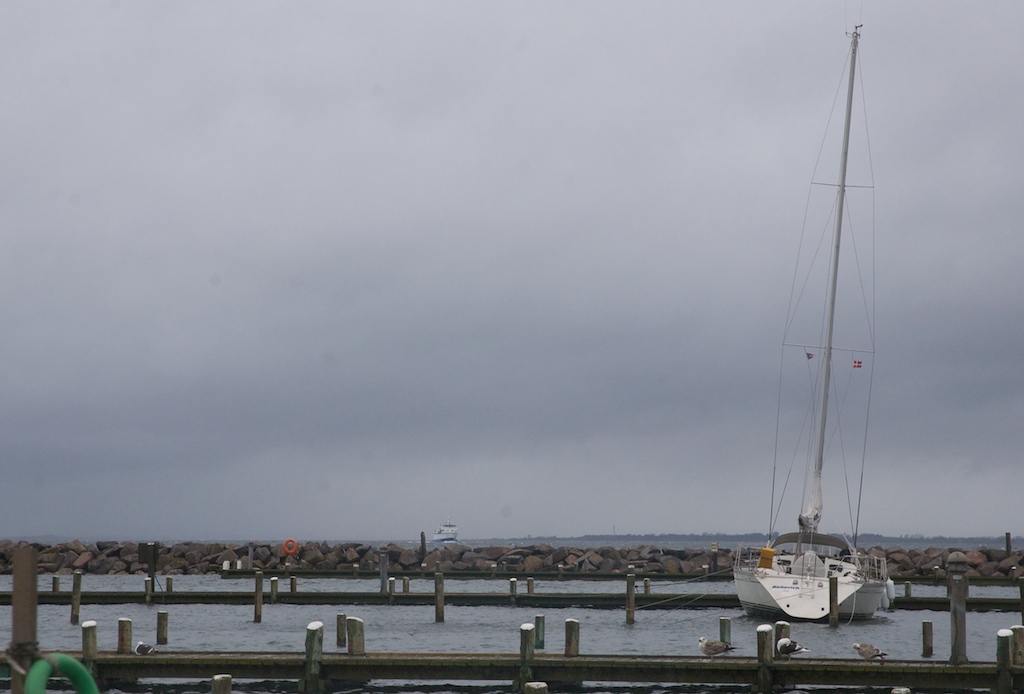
column 788, row 647
column 867, row 651
column 144, row 649
column 713, row 648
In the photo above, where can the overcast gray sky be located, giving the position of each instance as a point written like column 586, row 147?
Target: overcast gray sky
column 342, row 270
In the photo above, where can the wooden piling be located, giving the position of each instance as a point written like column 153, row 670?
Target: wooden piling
column 356, row 636
column 725, row 629
column 124, row 635
column 161, row 627
column 906, row 590
column 169, row 584
column 630, row 598
column 526, row 654
column 273, row 590
column 391, row 590
column 439, row 597
column 149, row 590
column 647, row 586
column 782, row 630
column 405, row 584
column 89, row 642
column 221, row 684
column 572, row 638
column 55, row 584
column 833, row 602
column 24, row 601
column 1004, row 661
column 257, row 599
column 423, row 545
column 513, row 584
column 529, row 585
column 538, row 631
column 311, row 681
column 535, row 688
column 927, row 640
column 76, row 595
column 342, row 630
column 765, row 657
column 1009, row 545
column 956, row 569
column 1018, row 644
column 383, row 564
column 294, row 584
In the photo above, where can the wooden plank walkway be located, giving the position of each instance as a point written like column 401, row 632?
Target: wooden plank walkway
column 111, row 667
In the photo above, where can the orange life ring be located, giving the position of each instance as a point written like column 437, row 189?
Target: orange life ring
column 291, row 546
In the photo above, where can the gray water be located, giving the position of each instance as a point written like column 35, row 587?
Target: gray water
column 412, row 629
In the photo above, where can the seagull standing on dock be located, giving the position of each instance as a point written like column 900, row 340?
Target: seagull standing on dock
column 789, row 648
column 713, row 648
column 144, row 649
column 868, row 652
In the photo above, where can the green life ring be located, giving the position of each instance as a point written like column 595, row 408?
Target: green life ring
column 39, row 673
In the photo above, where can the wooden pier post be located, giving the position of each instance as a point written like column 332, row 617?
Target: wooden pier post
column 169, row 584
column 1009, row 544
column 647, row 586
column 294, row 584
column 765, row 657
column 529, row 585
column 149, row 590
column 512, row 588
column 956, row 569
column 1004, row 661
column 535, row 688
column 24, row 615
column 55, row 584
column 76, row 595
column 342, row 629
column 161, row 627
column 257, row 599
column 405, row 584
column 725, row 629
column 423, row 546
column 927, row 640
column 89, row 645
column 273, row 590
column 630, row 598
column 526, row 652
column 221, row 684
column 572, row 638
column 439, row 597
column 833, row 602
column 1018, row 644
column 906, row 589
column 538, row 631
column 124, row 635
column 311, row 681
column 782, row 630
column 382, row 562
column 356, row 636
column 391, row 590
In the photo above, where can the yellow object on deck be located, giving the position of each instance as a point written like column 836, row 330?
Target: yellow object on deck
column 767, row 555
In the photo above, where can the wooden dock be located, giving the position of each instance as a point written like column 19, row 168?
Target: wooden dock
column 749, row 673
column 611, row 601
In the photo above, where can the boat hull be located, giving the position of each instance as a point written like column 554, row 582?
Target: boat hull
column 781, row 596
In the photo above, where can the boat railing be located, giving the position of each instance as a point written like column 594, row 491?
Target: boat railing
column 870, row 567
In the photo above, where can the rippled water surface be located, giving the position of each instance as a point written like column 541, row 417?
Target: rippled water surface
column 412, row 629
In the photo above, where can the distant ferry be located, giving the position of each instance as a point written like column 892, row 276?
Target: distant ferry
column 447, row 532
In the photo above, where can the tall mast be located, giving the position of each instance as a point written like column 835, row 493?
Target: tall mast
column 812, row 515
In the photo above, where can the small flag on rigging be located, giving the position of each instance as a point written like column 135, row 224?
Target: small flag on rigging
column 857, row 363
column 809, row 355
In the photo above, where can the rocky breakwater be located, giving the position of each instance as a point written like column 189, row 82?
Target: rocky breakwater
column 205, row 558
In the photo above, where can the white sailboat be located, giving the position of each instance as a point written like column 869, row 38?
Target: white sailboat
column 789, row 578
